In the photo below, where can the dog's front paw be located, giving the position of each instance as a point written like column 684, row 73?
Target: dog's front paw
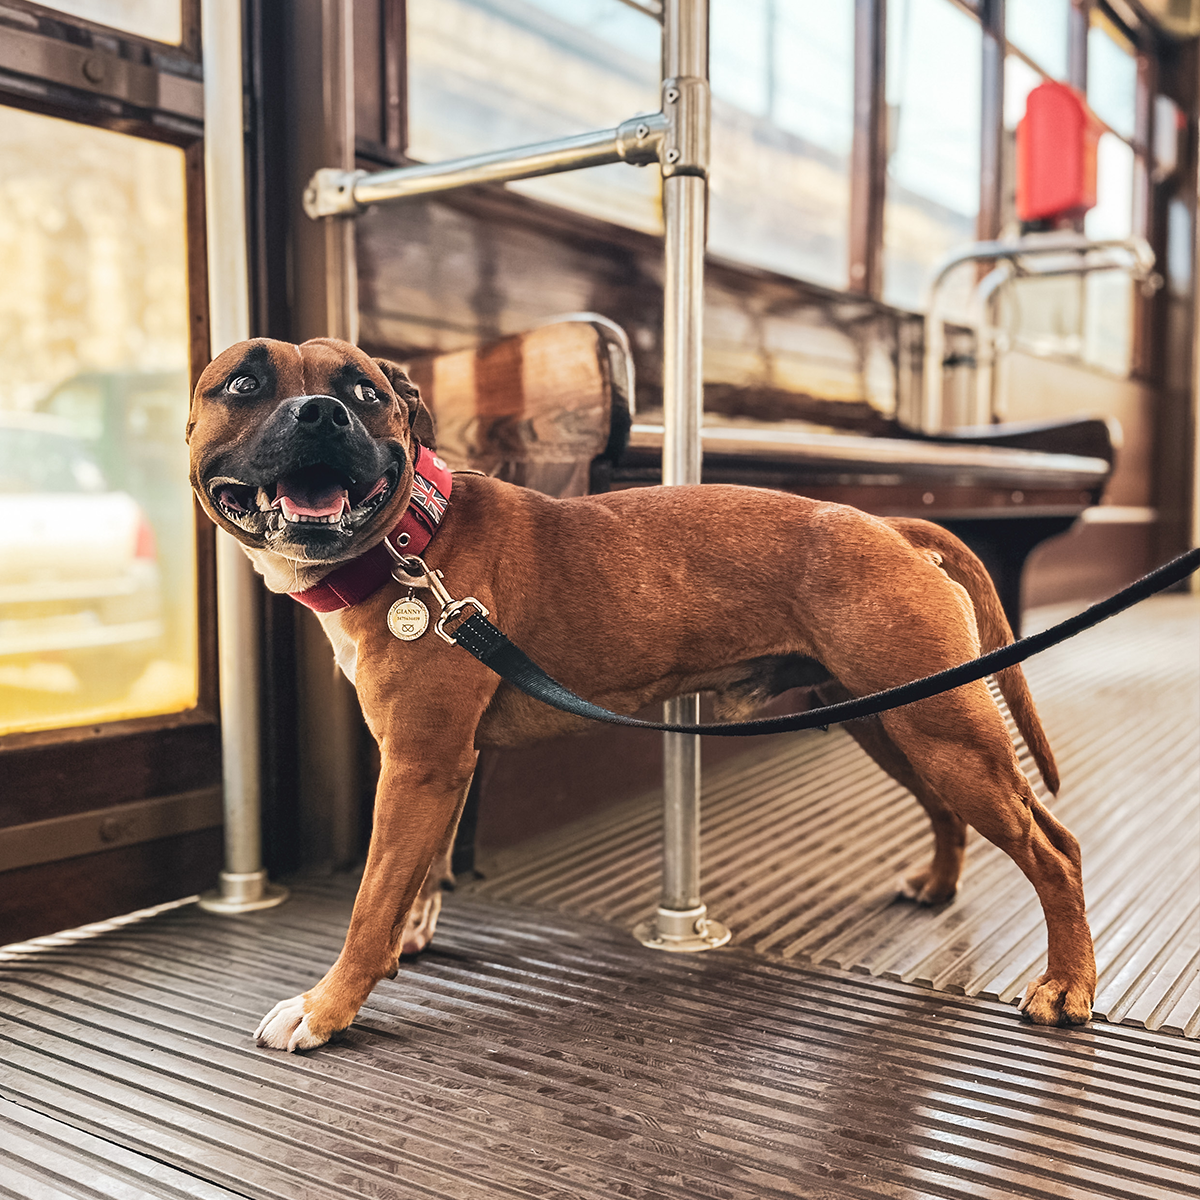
column 1051, row 1001
column 286, row 1027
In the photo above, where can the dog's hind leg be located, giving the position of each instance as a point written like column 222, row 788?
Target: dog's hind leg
column 938, row 881
column 423, row 916
column 960, row 748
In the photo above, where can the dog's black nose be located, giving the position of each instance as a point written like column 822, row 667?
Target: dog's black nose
column 316, row 411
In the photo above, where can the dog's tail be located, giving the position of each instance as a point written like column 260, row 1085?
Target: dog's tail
column 994, row 631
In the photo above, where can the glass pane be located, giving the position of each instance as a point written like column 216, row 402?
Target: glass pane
column 490, row 74
column 97, row 570
column 1039, row 28
column 1108, row 327
column 783, row 123
column 1113, row 215
column 1088, row 318
column 933, row 168
column 1108, row 324
column 1019, row 80
column 1112, row 77
column 159, row 20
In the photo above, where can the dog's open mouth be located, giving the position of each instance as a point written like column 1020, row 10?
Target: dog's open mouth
column 317, row 495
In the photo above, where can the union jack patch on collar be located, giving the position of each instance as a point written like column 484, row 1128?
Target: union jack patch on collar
column 430, row 504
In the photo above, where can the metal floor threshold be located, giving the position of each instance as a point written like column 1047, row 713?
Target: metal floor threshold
column 804, row 839
column 534, row 1054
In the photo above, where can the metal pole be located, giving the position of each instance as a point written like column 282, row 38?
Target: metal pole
column 681, row 922
column 243, row 883
column 678, row 137
column 324, row 285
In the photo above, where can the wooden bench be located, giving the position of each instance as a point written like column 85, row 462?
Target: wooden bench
column 554, row 409
column 536, row 409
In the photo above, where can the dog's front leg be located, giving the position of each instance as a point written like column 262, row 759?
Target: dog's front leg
column 415, row 807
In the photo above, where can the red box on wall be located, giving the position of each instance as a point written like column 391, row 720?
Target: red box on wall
column 1056, row 154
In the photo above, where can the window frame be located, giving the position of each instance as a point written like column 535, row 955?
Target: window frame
column 92, row 749
column 189, row 46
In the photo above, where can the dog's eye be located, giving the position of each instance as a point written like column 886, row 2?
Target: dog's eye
column 239, row 385
column 366, row 393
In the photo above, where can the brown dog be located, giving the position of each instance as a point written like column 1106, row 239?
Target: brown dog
column 306, row 455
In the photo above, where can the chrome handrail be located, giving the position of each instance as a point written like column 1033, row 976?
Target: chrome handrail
column 1067, row 253
column 332, row 192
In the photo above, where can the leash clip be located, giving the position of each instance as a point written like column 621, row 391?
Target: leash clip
column 412, row 572
column 453, row 610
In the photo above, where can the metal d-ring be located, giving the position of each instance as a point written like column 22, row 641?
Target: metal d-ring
column 403, row 540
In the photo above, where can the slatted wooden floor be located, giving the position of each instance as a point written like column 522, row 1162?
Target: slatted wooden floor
column 535, row 1054
column 537, row 1051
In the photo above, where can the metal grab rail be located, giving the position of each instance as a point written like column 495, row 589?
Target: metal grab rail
column 1067, row 254
column 677, row 138
column 638, row 141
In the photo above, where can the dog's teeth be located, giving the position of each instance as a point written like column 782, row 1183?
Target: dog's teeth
column 265, row 503
column 305, row 519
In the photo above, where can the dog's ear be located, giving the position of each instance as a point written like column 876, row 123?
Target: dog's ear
column 420, row 419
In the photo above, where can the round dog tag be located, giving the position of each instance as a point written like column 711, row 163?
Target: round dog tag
column 408, row 619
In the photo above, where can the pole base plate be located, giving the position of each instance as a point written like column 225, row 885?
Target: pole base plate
column 682, row 931
column 243, row 893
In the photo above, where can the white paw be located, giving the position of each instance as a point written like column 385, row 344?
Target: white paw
column 285, row 1027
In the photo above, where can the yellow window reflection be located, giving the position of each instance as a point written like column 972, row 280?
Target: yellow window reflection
column 97, row 566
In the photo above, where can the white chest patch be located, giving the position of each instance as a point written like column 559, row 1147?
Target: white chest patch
column 345, row 652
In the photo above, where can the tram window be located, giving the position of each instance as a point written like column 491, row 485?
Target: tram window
column 159, row 20
column 1019, row 80
column 1089, row 318
column 1038, row 28
column 1113, row 215
column 1112, row 77
column 97, row 566
column 933, row 89
column 783, row 122
column 1179, row 261
column 1112, row 95
column 489, row 74
column 1108, row 327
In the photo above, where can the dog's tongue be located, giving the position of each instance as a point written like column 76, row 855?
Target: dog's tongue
column 311, row 494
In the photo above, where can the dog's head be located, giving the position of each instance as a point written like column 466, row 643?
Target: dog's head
column 305, row 451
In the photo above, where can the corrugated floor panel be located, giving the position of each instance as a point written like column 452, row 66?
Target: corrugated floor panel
column 51, row 1160
column 536, row 1054
column 804, row 839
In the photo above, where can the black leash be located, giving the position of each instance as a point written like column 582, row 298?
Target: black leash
column 478, row 635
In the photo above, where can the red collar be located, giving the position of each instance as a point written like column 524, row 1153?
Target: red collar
column 357, row 579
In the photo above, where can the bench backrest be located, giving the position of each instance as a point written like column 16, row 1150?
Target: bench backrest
column 536, row 408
